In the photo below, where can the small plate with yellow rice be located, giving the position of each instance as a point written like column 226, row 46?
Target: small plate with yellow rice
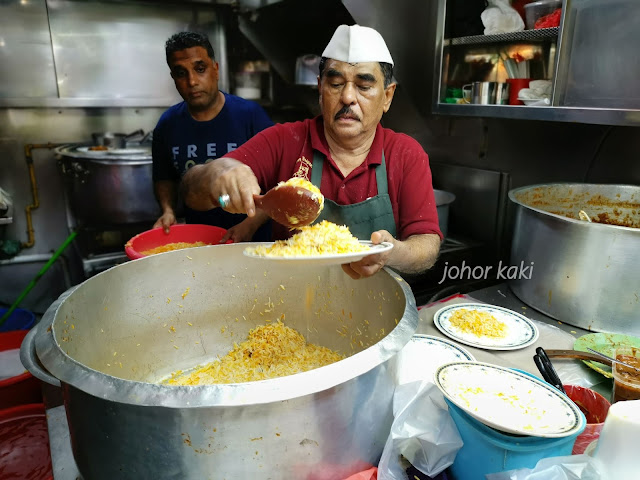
column 486, row 326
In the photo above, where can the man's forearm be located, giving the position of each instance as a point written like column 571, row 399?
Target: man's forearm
column 165, row 191
column 198, row 183
column 258, row 219
column 416, row 254
column 195, row 187
column 203, row 184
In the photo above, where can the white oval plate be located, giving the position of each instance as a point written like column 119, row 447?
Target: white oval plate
column 521, row 332
column 333, row 259
column 422, row 356
column 509, row 401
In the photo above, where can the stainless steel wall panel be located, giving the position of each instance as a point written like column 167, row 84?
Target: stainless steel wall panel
column 25, row 50
column 113, row 50
column 18, row 127
column 597, row 67
column 475, row 211
column 71, row 53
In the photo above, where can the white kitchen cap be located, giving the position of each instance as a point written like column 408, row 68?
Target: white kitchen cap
column 355, row 44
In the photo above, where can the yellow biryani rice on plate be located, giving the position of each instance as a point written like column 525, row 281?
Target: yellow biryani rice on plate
column 478, row 323
column 324, row 238
column 486, row 326
column 270, row 351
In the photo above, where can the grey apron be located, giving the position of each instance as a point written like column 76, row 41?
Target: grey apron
column 362, row 218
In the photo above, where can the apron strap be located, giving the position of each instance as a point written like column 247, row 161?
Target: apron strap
column 381, row 177
column 316, row 168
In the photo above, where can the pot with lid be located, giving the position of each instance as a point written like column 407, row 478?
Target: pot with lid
column 109, row 186
column 583, row 273
column 111, row 339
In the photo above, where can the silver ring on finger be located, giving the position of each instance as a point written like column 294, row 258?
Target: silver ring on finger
column 223, row 200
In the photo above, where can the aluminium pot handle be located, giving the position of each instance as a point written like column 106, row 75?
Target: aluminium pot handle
column 29, row 358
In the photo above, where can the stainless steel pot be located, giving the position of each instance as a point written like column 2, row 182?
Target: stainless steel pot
column 111, row 338
column 107, row 189
column 584, row 274
column 443, row 200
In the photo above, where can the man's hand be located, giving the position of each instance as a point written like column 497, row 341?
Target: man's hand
column 167, row 219
column 204, row 185
column 165, row 191
column 246, row 229
column 371, row 264
column 416, row 254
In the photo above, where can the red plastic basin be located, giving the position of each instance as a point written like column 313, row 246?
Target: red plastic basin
column 24, row 443
column 189, row 233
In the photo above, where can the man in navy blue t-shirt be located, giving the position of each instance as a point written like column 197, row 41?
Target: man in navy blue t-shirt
column 208, row 124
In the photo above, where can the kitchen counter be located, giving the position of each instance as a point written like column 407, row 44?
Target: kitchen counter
column 553, row 335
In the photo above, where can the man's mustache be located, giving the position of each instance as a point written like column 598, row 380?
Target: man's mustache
column 346, row 110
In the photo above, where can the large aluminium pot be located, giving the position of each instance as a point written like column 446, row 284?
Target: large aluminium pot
column 584, row 274
column 106, row 189
column 110, row 339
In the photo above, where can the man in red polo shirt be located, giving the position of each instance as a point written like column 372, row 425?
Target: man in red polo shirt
column 375, row 181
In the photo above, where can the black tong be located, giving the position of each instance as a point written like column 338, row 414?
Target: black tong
column 546, row 369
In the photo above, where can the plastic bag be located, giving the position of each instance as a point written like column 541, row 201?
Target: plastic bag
column 500, row 17
column 5, row 201
column 10, row 364
column 423, row 432
column 573, row 467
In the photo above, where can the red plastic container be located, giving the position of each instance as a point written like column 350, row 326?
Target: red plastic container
column 189, row 233
column 24, row 443
column 595, row 407
column 515, row 85
column 20, row 389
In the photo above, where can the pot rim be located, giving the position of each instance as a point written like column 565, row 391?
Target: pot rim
column 66, row 151
column 513, row 192
column 102, row 385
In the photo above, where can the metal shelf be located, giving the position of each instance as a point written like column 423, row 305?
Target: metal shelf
column 552, row 113
column 524, row 36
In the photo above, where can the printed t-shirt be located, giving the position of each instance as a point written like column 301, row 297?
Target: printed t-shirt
column 180, row 142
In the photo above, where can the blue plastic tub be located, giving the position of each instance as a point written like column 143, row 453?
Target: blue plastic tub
column 487, row 450
column 18, row 320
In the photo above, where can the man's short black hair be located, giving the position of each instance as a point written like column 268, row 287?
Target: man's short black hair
column 387, row 70
column 184, row 40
